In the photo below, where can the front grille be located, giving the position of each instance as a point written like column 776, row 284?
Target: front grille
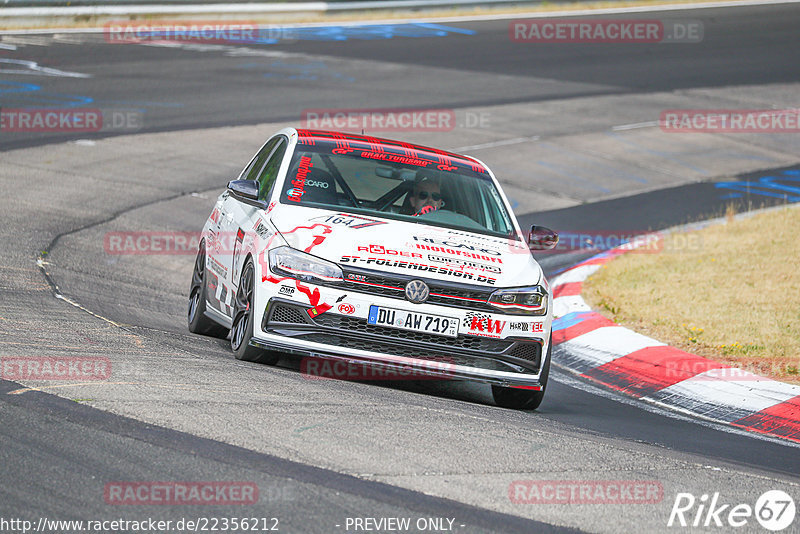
column 287, row 314
column 393, row 286
column 527, row 351
column 351, row 332
column 355, row 324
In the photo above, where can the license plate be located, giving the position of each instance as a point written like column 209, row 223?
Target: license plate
column 417, row 322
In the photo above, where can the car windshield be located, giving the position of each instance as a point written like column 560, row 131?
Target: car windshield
column 396, row 182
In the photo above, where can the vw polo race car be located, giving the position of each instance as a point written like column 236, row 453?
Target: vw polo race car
column 363, row 250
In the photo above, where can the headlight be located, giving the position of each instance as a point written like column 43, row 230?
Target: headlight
column 521, row 300
column 293, row 263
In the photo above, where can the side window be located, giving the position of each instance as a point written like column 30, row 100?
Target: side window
column 251, row 172
column 267, row 178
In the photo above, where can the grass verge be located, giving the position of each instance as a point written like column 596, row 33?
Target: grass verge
column 730, row 292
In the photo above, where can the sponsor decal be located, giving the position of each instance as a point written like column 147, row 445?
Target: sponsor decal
column 215, row 215
column 296, row 194
column 217, row 267
column 380, row 249
column 286, row 290
column 526, row 326
column 395, row 158
column 262, row 230
column 480, row 324
column 347, row 309
column 410, row 265
column 465, row 264
column 458, row 248
column 340, row 299
column 351, row 221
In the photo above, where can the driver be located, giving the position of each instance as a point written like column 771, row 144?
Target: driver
column 426, row 196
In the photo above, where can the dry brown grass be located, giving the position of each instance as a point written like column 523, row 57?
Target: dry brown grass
column 732, row 294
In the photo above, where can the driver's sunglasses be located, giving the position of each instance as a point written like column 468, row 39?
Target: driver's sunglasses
column 423, row 195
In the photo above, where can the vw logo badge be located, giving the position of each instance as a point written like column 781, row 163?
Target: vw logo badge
column 417, row 291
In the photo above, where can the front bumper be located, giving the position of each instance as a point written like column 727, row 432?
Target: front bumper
column 506, row 362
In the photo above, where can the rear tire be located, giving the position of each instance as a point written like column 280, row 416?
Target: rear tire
column 198, row 322
column 242, row 329
column 524, row 399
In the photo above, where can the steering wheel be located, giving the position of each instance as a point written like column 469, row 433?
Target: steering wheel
column 424, row 210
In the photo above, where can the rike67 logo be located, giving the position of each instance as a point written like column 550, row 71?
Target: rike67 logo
column 774, row 510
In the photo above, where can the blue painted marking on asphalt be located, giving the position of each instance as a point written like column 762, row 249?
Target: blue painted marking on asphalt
column 363, row 32
column 570, row 319
column 768, row 186
column 731, row 195
column 314, row 70
column 17, row 87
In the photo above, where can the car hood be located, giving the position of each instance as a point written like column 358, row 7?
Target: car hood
column 400, row 247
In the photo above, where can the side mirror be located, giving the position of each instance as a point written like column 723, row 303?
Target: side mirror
column 542, row 238
column 246, row 191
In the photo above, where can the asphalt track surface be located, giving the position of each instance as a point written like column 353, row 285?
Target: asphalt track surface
column 322, row 452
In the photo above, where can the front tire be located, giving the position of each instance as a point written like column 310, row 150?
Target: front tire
column 242, row 328
column 198, row 322
column 523, row 399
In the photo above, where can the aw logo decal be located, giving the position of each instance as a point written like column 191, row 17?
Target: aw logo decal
column 480, row 324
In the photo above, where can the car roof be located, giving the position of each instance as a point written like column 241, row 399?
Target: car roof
column 389, row 143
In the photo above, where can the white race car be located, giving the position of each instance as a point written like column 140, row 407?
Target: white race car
column 366, row 251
